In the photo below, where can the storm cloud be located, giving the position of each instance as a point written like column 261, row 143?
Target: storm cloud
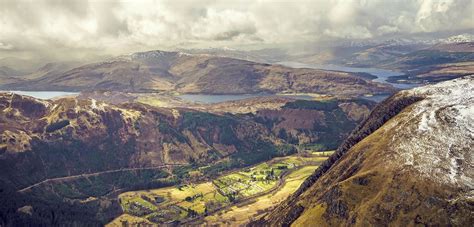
column 79, row 27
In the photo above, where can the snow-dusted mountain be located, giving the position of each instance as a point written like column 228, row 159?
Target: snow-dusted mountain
column 411, row 163
column 409, row 40
column 462, row 38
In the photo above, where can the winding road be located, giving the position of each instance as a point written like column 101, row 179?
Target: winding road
column 66, row 178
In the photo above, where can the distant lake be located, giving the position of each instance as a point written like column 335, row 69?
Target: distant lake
column 207, row 99
column 44, row 94
column 381, row 74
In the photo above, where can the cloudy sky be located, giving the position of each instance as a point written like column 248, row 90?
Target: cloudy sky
column 80, row 27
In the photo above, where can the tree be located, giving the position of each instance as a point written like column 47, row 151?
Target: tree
column 282, row 134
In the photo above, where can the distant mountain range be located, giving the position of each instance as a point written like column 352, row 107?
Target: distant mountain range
column 232, row 71
column 421, row 62
column 158, row 71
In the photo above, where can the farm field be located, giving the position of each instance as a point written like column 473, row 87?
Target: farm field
column 241, row 214
column 236, row 195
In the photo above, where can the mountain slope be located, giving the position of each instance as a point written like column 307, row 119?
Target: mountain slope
column 64, row 161
column 50, row 69
column 9, row 75
column 410, row 163
column 317, row 124
column 185, row 73
column 440, row 62
column 95, row 136
column 421, row 61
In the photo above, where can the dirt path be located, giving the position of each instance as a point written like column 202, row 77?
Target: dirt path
column 66, row 178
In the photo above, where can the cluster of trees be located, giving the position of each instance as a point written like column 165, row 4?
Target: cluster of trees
column 193, row 197
column 57, row 125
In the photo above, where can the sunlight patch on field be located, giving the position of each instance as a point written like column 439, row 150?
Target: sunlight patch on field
column 239, row 215
column 233, row 197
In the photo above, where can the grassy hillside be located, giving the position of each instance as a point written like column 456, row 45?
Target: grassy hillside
column 396, row 168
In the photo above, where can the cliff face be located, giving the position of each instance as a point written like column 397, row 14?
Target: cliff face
column 409, row 163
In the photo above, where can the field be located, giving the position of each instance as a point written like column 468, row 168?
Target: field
column 241, row 214
column 235, row 196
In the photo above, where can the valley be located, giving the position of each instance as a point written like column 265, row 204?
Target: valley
column 205, row 202
column 236, row 113
column 83, row 151
column 181, row 158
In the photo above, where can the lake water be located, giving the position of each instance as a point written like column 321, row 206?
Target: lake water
column 381, row 74
column 44, row 94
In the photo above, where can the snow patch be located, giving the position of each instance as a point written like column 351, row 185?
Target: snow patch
column 436, row 137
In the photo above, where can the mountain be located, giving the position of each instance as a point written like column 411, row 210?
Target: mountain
column 421, row 62
column 7, row 71
column 382, row 53
column 51, row 69
column 410, row 163
column 9, row 75
column 185, row 73
column 461, row 38
column 454, row 47
column 20, row 64
column 64, row 161
column 392, row 53
column 313, row 125
column 437, row 54
column 439, row 62
column 62, row 153
column 268, row 55
column 317, row 124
